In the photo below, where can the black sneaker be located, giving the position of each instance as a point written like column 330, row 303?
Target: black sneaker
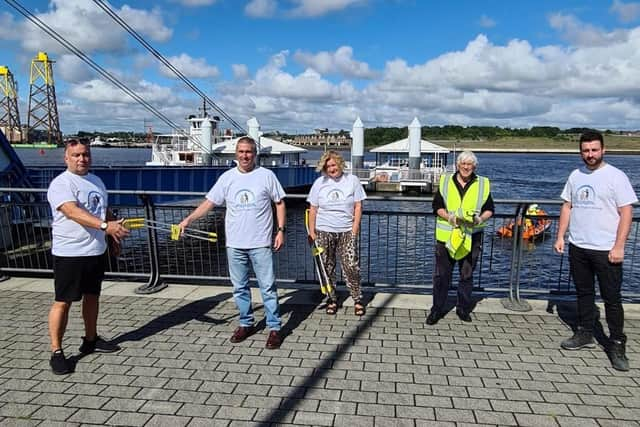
column 464, row 316
column 59, row 364
column 618, row 357
column 580, row 339
column 98, row 345
column 433, row 318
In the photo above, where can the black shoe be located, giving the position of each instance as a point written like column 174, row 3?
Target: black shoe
column 433, row 318
column 580, row 339
column 618, row 357
column 98, row 346
column 59, row 364
column 464, row 316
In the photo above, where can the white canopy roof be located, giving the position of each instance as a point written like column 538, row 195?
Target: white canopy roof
column 402, row 146
column 267, row 146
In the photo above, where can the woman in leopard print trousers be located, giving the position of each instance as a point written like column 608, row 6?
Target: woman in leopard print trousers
column 334, row 224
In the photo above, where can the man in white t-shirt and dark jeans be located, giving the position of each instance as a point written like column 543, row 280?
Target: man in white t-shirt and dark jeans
column 78, row 201
column 249, row 192
column 597, row 210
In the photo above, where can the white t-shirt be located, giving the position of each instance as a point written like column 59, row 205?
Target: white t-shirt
column 71, row 239
column 595, row 197
column 335, row 199
column 248, row 197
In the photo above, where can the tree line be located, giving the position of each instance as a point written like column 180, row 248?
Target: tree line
column 384, row 135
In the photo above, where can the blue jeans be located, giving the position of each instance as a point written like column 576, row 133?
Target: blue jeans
column 262, row 262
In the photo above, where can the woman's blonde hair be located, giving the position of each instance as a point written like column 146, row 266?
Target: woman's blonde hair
column 331, row 154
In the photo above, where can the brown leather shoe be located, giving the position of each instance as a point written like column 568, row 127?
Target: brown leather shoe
column 274, row 341
column 242, row 333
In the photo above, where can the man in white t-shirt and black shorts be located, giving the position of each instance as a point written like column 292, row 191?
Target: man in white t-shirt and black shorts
column 78, row 201
column 598, row 211
column 249, row 193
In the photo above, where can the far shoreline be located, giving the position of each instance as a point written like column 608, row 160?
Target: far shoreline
column 544, row 150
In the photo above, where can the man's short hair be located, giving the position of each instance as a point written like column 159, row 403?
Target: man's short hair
column 467, row 156
column 74, row 142
column 591, row 135
column 248, row 140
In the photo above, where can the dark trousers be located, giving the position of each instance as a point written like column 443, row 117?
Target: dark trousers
column 444, row 271
column 586, row 264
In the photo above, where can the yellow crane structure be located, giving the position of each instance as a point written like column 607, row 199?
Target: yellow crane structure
column 43, row 108
column 9, row 114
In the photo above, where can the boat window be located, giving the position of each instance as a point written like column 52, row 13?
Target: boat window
column 186, row 157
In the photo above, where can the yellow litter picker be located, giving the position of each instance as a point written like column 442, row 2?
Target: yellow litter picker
column 321, row 272
column 173, row 229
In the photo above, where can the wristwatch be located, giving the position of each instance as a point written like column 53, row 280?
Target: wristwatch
column 104, row 226
column 283, row 229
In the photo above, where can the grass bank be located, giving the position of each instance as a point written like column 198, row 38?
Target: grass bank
column 613, row 143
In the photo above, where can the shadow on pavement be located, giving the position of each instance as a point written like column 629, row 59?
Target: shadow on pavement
column 567, row 312
column 277, row 416
column 196, row 310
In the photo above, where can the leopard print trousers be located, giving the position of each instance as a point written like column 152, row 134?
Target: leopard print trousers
column 344, row 245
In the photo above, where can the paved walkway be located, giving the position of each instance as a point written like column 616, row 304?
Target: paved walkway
column 177, row 367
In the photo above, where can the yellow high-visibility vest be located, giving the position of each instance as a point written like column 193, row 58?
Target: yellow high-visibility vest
column 459, row 244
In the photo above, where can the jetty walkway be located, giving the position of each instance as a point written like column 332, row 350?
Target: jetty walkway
column 178, row 368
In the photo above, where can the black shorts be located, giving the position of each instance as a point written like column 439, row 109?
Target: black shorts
column 76, row 276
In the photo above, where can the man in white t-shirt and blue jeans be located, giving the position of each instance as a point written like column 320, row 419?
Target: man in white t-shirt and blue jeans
column 598, row 212
column 78, row 201
column 249, row 193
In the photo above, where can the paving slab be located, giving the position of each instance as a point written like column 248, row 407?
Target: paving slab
column 177, row 367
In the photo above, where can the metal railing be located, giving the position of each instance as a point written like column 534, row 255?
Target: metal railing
column 396, row 246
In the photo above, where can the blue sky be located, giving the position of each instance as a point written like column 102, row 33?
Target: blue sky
column 300, row 64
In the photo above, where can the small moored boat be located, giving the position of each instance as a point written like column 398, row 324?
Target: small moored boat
column 533, row 227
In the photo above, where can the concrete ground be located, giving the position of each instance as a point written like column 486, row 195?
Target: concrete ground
column 177, row 366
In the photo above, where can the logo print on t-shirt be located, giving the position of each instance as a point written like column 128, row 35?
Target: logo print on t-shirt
column 94, row 202
column 335, row 196
column 586, row 195
column 245, row 199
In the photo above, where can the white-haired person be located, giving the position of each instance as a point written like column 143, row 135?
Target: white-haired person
column 334, row 223
column 462, row 205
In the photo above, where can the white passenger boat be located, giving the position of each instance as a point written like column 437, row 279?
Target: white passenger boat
column 203, row 144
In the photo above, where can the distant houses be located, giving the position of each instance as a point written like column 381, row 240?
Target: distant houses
column 320, row 138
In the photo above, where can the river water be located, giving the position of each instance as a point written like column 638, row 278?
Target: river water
column 399, row 249
column 513, row 176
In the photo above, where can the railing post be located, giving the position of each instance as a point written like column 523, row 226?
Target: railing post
column 155, row 282
column 514, row 302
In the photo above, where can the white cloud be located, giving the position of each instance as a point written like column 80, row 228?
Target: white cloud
column 316, row 8
column 87, row 27
column 626, row 12
column 147, row 23
column 100, row 91
column 481, row 65
column 72, row 69
column 240, row 71
column 284, row 100
column 190, row 67
column 580, row 33
column 9, row 27
column 339, row 62
column 486, row 22
column 271, row 80
column 261, row 8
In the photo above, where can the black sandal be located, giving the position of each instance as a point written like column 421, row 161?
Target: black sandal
column 332, row 307
column 358, row 309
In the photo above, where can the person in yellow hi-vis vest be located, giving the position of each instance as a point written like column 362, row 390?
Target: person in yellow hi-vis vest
column 462, row 205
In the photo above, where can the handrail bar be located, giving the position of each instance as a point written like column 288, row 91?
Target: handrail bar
column 401, row 261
